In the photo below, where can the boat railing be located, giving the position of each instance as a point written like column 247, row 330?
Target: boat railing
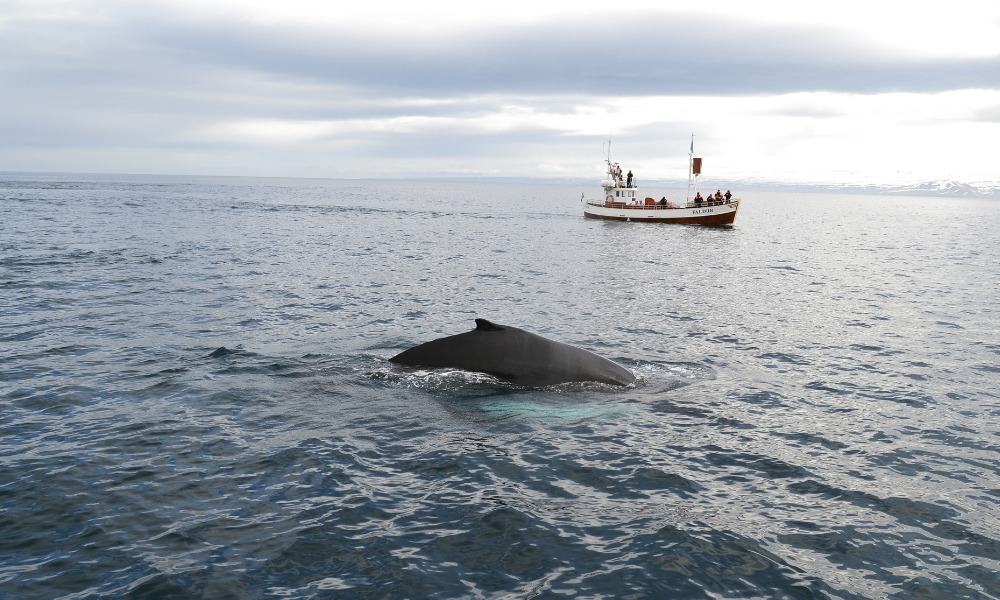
column 659, row 206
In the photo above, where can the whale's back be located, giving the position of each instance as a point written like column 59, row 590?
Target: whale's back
column 515, row 355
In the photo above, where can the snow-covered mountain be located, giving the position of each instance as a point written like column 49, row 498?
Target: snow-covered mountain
column 946, row 187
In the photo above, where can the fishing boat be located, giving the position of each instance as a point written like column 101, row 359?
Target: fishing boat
column 621, row 200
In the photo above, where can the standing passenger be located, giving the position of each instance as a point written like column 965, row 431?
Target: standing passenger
column 629, row 184
column 729, row 195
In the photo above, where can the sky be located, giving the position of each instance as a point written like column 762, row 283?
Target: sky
column 846, row 92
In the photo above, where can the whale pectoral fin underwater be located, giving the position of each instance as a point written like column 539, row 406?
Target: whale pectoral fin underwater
column 514, row 355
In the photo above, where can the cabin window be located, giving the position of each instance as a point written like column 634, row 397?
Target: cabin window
column 617, row 193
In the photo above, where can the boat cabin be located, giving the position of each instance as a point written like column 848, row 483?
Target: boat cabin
column 618, row 191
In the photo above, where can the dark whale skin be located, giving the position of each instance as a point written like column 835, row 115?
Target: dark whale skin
column 514, row 355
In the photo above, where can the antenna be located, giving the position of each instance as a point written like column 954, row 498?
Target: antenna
column 608, row 159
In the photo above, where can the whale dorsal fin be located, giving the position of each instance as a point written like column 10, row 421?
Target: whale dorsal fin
column 484, row 325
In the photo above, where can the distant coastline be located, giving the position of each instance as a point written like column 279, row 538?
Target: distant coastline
column 947, row 188
column 944, row 188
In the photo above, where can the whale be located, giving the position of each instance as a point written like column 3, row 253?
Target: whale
column 515, row 355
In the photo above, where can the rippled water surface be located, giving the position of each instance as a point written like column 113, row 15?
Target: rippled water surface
column 196, row 400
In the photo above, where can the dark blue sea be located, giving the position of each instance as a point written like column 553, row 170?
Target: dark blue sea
column 196, row 402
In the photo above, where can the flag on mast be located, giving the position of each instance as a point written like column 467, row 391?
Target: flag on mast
column 695, row 162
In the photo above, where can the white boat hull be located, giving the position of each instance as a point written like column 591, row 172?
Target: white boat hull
column 714, row 214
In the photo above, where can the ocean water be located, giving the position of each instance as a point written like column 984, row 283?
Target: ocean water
column 195, row 398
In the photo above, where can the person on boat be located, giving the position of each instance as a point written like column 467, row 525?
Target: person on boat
column 629, row 184
column 698, row 199
column 729, row 195
column 718, row 195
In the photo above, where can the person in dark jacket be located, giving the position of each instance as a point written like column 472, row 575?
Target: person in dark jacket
column 729, row 195
column 629, row 184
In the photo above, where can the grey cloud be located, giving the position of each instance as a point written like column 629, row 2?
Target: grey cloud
column 136, row 81
column 989, row 115
column 652, row 54
column 641, row 54
column 803, row 110
column 448, row 145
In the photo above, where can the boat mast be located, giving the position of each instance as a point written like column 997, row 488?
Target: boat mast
column 609, row 158
column 690, row 166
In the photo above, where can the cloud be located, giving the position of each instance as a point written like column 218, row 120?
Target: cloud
column 637, row 54
column 127, row 86
column 634, row 55
column 989, row 114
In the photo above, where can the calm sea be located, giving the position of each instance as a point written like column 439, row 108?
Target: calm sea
column 196, row 400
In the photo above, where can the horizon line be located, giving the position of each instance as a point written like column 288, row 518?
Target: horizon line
column 984, row 186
